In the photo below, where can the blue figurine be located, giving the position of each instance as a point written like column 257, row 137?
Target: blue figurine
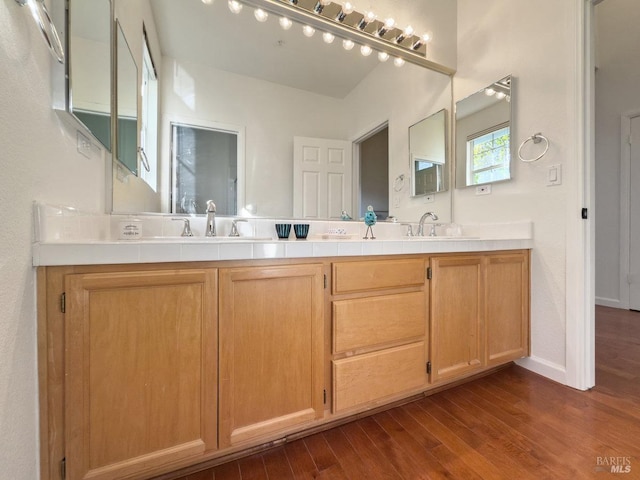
column 370, row 220
column 345, row 216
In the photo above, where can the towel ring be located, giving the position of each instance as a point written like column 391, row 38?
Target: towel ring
column 47, row 28
column 535, row 138
column 398, row 183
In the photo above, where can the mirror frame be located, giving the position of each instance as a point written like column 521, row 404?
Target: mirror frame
column 117, row 124
column 459, row 173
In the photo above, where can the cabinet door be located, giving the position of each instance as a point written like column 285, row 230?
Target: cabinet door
column 271, row 350
column 141, row 375
column 507, row 307
column 457, row 328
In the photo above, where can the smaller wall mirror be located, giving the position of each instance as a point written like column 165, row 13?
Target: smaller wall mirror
column 483, row 135
column 127, row 104
column 428, row 155
column 89, row 66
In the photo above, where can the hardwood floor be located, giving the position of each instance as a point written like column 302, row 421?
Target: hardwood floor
column 511, row 425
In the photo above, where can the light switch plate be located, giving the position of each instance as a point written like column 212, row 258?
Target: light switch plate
column 554, row 175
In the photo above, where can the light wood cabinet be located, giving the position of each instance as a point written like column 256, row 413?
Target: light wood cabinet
column 271, row 350
column 457, row 321
column 140, row 381
column 479, row 312
column 153, row 368
column 507, row 307
column 379, row 330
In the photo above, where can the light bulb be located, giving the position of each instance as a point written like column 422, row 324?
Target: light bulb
column 398, row 62
column 308, row 31
column 489, row 92
column 388, row 24
column 383, row 56
column 347, row 8
column 260, row 15
column 408, row 31
column 348, row 44
column 285, row 23
column 365, row 50
column 500, row 95
column 427, row 37
column 328, row 37
column 235, row 6
column 366, row 20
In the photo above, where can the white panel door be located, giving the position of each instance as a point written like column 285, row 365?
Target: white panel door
column 322, row 177
column 634, row 216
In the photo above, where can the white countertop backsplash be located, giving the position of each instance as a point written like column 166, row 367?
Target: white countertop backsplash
column 67, row 236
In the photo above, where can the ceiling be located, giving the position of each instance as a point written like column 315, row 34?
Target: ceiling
column 211, row 35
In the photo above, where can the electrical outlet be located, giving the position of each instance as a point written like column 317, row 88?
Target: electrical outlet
column 483, row 189
column 84, row 145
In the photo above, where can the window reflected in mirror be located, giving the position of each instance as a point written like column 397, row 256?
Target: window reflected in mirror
column 205, row 167
column 127, row 105
column 149, row 119
column 483, row 135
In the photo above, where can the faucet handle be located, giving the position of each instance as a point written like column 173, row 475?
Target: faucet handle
column 211, row 207
column 186, row 230
column 409, row 229
column 234, row 227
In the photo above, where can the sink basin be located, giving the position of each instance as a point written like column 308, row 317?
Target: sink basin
column 179, row 239
column 441, row 237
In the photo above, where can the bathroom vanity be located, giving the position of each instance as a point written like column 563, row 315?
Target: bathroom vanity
column 148, row 368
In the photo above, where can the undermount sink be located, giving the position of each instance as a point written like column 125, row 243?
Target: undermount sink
column 178, row 239
column 441, row 237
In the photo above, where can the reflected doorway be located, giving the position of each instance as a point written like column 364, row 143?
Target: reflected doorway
column 373, row 172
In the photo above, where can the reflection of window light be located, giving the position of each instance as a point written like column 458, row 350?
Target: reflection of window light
column 184, row 86
column 149, row 119
column 488, row 155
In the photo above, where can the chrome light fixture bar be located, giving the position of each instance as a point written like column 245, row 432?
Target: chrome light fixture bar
column 351, row 25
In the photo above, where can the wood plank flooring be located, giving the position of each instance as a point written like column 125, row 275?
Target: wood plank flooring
column 511, row 425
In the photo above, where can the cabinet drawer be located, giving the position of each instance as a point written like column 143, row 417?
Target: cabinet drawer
column 363, row 322
column 351, row 277
column 367, row 378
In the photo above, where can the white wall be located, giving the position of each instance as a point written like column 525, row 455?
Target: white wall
column 536, row 42
column 617, row 80
column 39, row 162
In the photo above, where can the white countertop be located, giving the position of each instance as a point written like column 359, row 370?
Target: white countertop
column 198, row 249
column 66, row 236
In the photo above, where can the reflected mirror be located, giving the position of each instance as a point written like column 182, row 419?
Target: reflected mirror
column 127, row 104
column 428, row 155
column 483, row 135
column 89, row 66
column 217, row 67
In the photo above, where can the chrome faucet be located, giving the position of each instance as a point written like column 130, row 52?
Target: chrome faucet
column 432, row 232
column 210, row 229
column 234, row 227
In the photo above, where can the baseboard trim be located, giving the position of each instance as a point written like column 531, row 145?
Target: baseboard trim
column 543, row 367
column 611, row 302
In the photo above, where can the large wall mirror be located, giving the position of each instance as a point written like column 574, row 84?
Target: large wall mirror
column 483, row 135
column 127, row 104
column 273, row 84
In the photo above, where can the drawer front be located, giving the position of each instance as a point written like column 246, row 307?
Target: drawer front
column 366, row 378
column 365, row 322
column 349, row 277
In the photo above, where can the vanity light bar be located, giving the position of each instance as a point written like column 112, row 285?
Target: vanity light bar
column 343, row 21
